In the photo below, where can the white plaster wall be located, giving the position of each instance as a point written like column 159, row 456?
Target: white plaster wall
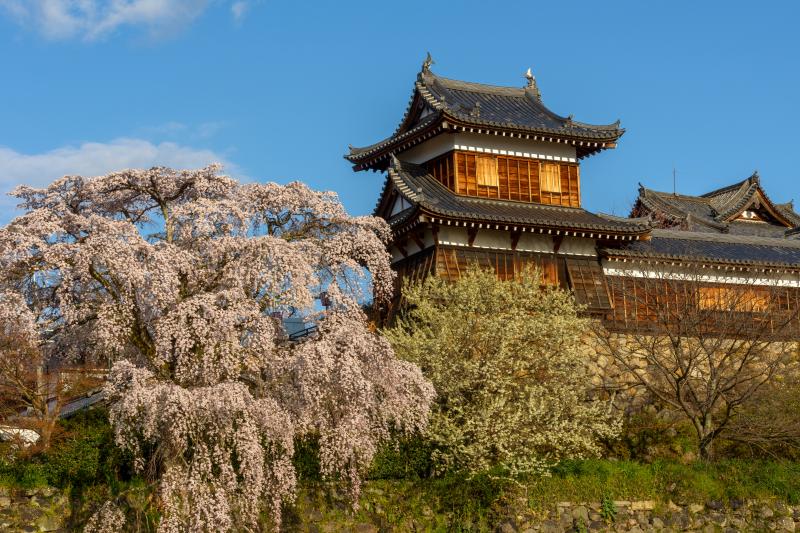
column 495, row 144
column 708, row 275
column 453, row 236
column 493, row 239
column 578, row 246
column 400, row 204
column 528, row 242
column 427, row 150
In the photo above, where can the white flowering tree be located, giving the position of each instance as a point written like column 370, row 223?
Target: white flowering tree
column 176, row 277
column 511, row 380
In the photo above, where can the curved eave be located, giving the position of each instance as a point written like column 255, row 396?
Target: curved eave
column 540, row 228
column 368, row 156
column 584, row 145
column 377, row 156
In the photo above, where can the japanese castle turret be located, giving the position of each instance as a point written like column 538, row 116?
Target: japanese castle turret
column 487, row 174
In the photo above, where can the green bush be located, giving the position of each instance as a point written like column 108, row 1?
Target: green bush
column 405, row 459
column 83, row 455
column 402, row 459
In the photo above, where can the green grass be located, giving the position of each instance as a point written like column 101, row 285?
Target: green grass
column 400, row 489
column 591, row 480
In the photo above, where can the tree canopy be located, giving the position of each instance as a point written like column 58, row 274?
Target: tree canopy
column 179, row 279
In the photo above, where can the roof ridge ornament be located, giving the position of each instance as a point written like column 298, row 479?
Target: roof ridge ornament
column 426, row 65
column 532, row 85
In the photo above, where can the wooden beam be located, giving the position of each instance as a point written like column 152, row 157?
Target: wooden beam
column 435, row 233
column 471, row 234
column 515, row 235
column 557, row 240
column 401, row 246
column 418, row 241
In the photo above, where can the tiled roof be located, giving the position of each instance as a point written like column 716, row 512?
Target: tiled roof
column 715, row 211
column 514, row 109
column 507, row 107
column 430, row 196
column 666, row 244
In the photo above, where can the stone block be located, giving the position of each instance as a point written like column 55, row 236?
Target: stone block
column 581, row 513
column 51, row 523
column 715, row 505
column 785, row 523
column 507, row 526
column 548, row 526
column 643, row 505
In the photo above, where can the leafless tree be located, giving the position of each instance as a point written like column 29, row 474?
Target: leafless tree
column 703, row 347
column 32, row 395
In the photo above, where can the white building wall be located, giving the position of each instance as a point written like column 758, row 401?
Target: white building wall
column 707, row 275
column 494, row 144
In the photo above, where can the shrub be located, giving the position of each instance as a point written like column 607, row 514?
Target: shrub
column 511, row 381
column 84, row 454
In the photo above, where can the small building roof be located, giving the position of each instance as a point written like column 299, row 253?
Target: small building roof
column 439, row 104
column 711, row 248
column 426, row 195
column 720, row 211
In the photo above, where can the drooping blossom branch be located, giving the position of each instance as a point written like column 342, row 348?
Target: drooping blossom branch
column 179, row 277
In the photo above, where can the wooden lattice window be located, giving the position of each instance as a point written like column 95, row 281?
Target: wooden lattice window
column 486, row 171
column 743, row 299
column 588, row 283
column 550, row 177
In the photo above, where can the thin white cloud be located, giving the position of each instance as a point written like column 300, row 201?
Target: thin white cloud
column 239, row 9
column 95, row 19
column 92, row 159
column 181, row 131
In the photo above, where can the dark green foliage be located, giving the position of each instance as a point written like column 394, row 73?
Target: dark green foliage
column 306, row 459
column 405, row 459
column 83, row 455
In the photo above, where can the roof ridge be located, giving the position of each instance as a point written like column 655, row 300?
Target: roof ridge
column 754, row 177
column 520, row 90
column 678, row 195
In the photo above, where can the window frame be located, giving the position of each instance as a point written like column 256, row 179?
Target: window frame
column 484, row 162
column 545, row 169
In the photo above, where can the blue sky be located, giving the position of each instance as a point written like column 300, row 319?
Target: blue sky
column 277, row 90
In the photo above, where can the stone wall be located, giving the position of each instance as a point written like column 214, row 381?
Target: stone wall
column 46, row 509
column 42, row 509
column 641, row 516
column 385, row 511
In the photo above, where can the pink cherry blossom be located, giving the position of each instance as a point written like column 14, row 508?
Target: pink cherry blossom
column 176, row 278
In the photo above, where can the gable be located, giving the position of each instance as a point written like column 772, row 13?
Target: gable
column 400, row 204
column 760, row 210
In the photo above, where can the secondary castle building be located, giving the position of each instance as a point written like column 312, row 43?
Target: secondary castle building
column 488, row 174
